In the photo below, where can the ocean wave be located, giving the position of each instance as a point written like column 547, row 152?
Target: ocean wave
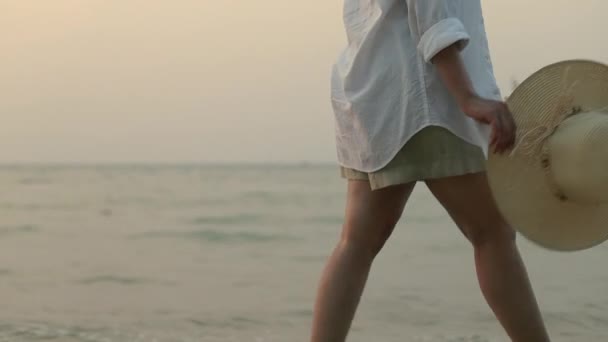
column 216, row 236
column 20, row 229
column 228, row 219
column 236, row 323
column 325, row 220
column 6, row 272
column 27, row 332
column 67, row 207
column 249, row 219
column 114, row 279
column 309, row 258
column 35, row 181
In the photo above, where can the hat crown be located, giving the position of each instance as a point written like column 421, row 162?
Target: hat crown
column 578, row 158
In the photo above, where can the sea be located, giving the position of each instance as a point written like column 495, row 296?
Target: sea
column 233, row 253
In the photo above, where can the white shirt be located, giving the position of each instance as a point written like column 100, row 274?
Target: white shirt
column 384, row 88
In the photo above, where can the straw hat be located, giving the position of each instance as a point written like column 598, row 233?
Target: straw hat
column 553, row 186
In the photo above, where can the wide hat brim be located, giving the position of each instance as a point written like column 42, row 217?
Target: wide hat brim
column 518, row 181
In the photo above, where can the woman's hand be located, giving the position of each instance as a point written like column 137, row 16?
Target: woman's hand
column 494, row 113
column 498, row 116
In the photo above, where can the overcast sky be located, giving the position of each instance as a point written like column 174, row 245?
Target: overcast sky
column 206, row 81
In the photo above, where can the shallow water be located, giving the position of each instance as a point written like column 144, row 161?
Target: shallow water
column 233, row 253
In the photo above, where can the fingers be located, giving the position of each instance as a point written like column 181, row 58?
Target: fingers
column 512, row 127
column 500, row 134
column 495, row 133
column 499, row 117
column 506, row 130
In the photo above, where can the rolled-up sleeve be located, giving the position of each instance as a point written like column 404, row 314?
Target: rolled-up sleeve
column 434, row 27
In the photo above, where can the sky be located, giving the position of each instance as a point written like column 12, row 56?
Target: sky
column 216, row 81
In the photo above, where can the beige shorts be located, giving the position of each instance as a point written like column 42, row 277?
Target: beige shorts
column 432, row 153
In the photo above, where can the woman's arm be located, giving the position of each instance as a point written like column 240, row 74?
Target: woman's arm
column 440, row 37
column 454, row 75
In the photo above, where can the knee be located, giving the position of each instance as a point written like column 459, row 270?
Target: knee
column 490, row 233
column 368, row 238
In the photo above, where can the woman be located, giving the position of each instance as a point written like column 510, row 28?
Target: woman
column 415, row 99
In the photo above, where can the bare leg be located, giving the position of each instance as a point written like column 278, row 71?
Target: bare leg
column 369, row 221
column 502, row 275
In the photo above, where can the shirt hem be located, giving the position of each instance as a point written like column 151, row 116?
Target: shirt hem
column 464, row 137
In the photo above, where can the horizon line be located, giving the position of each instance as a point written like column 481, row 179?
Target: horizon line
column 167, row 163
